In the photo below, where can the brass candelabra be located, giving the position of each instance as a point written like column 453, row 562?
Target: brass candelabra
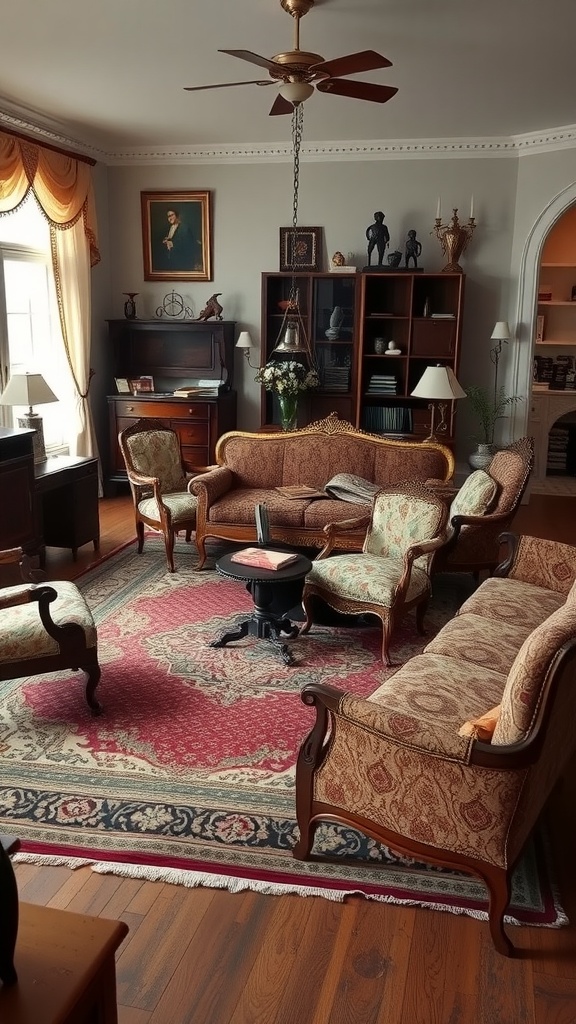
column 454, row 238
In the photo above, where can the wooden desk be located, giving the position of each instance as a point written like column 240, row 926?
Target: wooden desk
column 66, row 969
column 66, row 489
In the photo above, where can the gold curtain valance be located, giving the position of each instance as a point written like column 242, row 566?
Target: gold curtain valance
column 61, row 184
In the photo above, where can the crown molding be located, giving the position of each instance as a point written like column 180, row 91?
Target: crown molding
column 514, row 146
column 49, row 132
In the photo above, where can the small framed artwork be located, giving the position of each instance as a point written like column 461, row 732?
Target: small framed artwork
column 123, row 386
column 176, row 236
column 302, row 250
column 539, row 330
column 141, row 385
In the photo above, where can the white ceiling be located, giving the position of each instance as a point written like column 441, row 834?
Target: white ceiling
column 111, row 74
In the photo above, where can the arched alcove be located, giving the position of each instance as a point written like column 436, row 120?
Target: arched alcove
column 538, row 415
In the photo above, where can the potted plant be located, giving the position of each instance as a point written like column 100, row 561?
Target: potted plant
column 489, row 407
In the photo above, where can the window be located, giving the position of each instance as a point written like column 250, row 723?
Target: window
column 30, row 336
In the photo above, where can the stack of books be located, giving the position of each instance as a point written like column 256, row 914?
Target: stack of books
column 382, row 384
column 264, row 558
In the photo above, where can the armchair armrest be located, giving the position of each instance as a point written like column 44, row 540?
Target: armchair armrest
column 545, row 563
column 16, row 596
column 400, row 729
column 210, row 486
column 335, row 530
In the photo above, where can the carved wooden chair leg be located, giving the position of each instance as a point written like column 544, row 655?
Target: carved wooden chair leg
column 140, row 535
column 387, row 626
column 498, row 883
column 169, row 545
column 201, row 545
column 93, row 672
column 188, row 535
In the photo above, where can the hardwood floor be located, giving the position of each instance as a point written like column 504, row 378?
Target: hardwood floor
column 206, row 956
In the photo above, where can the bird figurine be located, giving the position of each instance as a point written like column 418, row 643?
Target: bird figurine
column 212, row 308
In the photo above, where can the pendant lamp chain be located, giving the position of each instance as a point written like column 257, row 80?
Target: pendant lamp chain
column 297, row 128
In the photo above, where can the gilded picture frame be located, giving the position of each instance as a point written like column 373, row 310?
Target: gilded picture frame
column 177, row 235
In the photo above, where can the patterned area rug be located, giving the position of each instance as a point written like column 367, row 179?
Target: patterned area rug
column 188, row 775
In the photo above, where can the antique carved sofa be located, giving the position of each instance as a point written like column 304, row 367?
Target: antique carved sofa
column 452, row 758
column 251, row 466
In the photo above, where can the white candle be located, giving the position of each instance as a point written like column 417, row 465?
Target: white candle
column 471, row 207
column 438, row 209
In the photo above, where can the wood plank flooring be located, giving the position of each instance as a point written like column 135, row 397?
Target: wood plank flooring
column 206, row 956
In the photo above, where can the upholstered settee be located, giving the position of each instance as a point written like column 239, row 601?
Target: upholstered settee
column 415, row 765
column 251, row 466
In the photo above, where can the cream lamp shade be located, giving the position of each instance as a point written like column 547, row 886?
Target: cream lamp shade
column 244, row 340
column 245, row 343
column 29, row 389
column 501, row 331
column 439, row 384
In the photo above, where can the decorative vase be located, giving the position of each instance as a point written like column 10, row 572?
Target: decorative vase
column 130, row 305
column 288, row 405
column 482, row 457
column 379, row 346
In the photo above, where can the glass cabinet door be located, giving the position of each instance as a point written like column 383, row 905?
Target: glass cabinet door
column 333, row 329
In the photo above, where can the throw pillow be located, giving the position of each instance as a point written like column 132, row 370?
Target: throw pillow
column 475, row 496
column 481, row 728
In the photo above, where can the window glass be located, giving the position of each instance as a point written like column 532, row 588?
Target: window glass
column 30, row 337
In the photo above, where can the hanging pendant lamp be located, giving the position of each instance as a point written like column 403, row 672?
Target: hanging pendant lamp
column 292, row 339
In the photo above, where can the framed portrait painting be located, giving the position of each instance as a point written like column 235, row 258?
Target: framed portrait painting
column 301, row 251
column 176, row 236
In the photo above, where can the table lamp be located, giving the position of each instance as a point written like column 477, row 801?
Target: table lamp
column 29, row 389
column 439, row 384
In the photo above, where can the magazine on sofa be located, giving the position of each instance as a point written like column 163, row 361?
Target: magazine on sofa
column 348, row 487
column 263, row 558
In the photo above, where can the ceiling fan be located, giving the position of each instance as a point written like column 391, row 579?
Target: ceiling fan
column 299, row 71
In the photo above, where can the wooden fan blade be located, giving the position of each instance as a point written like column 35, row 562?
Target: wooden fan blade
column 281, row 106
column 353, row 64
column 255, row 58
column 224, row 85
column 358, row 90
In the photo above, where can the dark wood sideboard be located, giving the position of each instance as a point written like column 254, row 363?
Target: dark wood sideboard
column 51, row 503
column 175, row 354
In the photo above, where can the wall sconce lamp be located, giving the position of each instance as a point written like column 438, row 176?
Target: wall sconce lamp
column 29, row 389
column 500, row 333
column 245, row 343
column 440, row 385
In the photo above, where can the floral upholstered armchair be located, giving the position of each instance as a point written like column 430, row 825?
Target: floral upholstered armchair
column 158, row 482
column 392, row 573
column 479, row 514
column 46, row 628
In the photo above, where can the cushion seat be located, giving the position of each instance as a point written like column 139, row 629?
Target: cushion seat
column 487, row 642
column 369, row 579
column 23, row 636
column 521, row 604
column 434, row 686
column 182, row 506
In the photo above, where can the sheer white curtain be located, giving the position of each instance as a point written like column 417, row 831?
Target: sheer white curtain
column 71, row 260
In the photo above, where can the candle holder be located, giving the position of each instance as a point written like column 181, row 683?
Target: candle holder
column 454, row 238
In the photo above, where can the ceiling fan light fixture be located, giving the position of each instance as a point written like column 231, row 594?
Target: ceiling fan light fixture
column 296, row 92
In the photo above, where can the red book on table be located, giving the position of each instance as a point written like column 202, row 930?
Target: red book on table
column 263, row 558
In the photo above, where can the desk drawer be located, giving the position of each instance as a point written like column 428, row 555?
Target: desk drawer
column 161, row 410
column 190, row 432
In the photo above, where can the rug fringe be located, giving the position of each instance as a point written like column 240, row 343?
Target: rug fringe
column 194, row 879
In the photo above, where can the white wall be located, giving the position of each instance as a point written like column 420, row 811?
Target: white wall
column 251, row 201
